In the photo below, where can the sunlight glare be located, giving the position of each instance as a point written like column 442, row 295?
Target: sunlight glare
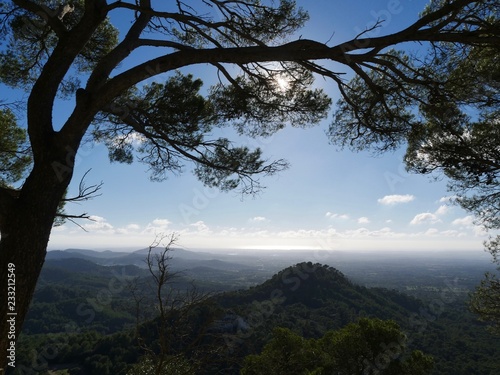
column 283, row 83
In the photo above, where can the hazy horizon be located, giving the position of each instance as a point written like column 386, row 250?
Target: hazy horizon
column 477, row 254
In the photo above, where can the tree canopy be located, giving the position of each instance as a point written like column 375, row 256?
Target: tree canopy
column 485, row 300
column 14, row 151
column 370, row 346
column 377, row 108
column 76, row 51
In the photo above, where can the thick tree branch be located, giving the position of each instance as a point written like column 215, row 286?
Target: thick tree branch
column 47, row 14
column 58, row 64
column 298, row 51
column 432, row 27
column 121, row 51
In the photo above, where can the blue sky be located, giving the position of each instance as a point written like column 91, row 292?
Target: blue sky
column 327, row 199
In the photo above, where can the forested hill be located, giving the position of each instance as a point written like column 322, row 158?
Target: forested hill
column 309, row 299
column 325, row 290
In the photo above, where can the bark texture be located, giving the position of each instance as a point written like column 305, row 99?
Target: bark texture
column 25, row 235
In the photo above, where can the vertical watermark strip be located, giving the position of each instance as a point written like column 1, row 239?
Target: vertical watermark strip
column 11, row 314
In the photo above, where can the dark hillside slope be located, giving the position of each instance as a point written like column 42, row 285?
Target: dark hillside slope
column 319, row 287
column 311, row 299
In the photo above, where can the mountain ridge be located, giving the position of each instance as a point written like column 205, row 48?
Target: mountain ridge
column 180, row 259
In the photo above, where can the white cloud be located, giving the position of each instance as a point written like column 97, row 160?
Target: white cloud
column 161, row 222
column 363, row 220
column 157, row 226
column 322, row 234
column 96, row 218
column 201, row 227
column 452, row 233
column 60, row 228
column 448, row 199
column 200, row 235
column 98, row 224
column 442, row 210
column 467, row 221
column 331, row 215
column 129, row 229
column 133, row 227
column 431, row 232
column 258, row 219
column 430, row 218
column 479, row 231
column 385, row 232
column 396, row 199
column 425, row 218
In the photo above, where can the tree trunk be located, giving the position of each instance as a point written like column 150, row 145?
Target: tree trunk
column 23, row 244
